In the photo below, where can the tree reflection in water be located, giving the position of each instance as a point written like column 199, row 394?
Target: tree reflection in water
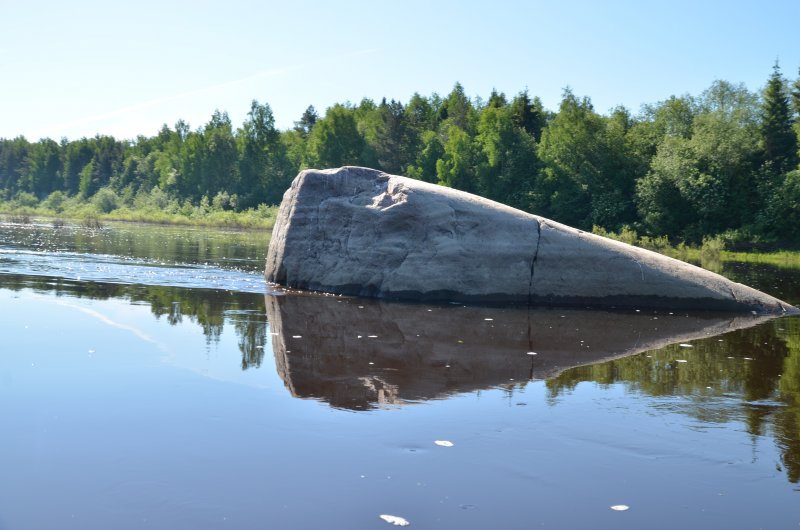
column 361, row 355
column 211, row 309
column 749, row 375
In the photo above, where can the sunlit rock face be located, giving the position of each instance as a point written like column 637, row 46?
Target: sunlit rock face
column 359, row 231
column 360, row 354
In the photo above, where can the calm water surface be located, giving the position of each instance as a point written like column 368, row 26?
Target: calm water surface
column 150, row 379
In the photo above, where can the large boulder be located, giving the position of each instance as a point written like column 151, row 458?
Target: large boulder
column 359, row 231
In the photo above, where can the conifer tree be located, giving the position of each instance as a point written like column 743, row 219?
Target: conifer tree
column 779, row 142
column 529, row 114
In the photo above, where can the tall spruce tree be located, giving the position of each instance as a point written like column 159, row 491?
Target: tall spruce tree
column 779, row 143
column 529, row 114
column 307, row 121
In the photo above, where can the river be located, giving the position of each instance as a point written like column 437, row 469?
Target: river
column 150, row 379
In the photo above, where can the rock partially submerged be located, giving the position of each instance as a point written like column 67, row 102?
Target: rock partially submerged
column 362, row 232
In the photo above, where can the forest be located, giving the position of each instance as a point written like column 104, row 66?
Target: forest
column 723, row 163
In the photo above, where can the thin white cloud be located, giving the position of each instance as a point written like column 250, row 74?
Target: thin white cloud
column 137, row 107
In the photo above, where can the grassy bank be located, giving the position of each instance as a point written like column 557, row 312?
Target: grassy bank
column 710, row 254
column 151, row 207
column 783, row 258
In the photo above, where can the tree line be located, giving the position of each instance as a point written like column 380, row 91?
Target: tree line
column 724, row 162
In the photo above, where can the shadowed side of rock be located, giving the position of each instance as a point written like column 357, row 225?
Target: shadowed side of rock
column 359, row 231
column 577, row 268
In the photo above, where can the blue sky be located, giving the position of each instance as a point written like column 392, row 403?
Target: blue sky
column 84, row 67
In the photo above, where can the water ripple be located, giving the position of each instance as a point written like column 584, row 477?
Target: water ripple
column 127, row 270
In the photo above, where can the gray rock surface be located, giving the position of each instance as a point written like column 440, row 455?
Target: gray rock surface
column 359, row 231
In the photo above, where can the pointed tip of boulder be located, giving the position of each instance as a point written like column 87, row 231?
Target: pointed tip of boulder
column 575, row 266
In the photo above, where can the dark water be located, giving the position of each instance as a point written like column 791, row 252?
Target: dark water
column 149, row 379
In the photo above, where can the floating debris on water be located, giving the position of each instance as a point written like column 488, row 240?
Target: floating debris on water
column 395, row 520
column 620, row 507
column 444, row 443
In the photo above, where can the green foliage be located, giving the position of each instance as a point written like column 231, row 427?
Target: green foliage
column 335, row 140
column 422, row 114
column 55, row 201
column 430, row 152
column 105, row 200
column 457, row 110
column 723, row 163
column 796, row 96
column 392, row 140
column 661, row 205
column 456, row 168
column 703, row 183
column 307, row 121
column 40, row 170
column 509, row 162
column 13, row 156
column 778, row 140
column 529, row 114
column 784, row 207
column 587, row 168
column 711, row 252
column 25, row 199
column 264, row 164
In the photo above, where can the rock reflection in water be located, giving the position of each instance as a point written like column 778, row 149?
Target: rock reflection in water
column 359, row 354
